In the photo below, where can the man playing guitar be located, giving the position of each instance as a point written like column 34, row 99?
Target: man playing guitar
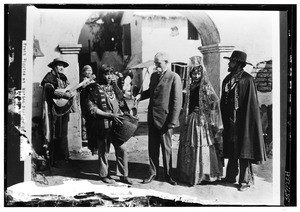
column 55, row 119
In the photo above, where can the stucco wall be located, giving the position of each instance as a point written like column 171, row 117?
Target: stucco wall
column 135, row 34
column 156, row 37
column 54, row 28
column 250, row 31
column 255, row 33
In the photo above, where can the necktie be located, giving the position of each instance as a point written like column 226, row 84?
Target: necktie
column 158, row 76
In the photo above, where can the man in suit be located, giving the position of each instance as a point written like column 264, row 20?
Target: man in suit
column 165, row 93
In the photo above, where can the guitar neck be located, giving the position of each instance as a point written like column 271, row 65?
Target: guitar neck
column 85, row 82
column 76, row 87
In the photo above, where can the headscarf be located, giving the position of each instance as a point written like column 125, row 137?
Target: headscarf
column 209, row 102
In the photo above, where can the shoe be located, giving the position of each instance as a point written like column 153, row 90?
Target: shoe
column 244, row 187
column 227, row 180
column 171, row 181
column 126, row 180
column 107, row 180
column 149, row 180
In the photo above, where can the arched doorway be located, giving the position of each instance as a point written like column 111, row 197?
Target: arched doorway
column 207, row 30
column 208, row 44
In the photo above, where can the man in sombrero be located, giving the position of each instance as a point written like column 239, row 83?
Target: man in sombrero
column 243, row 142
column 55, row 119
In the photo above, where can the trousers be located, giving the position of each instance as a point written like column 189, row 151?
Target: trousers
column 156, row 140
column 121, row 157
column 241, row 167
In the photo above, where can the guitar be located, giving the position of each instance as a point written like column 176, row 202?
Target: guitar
column 61, row 102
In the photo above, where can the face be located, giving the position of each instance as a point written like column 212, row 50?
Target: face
column 59, row 68
column 160, row 64
column 109, row 77
column 197, row 74
column 88, row 73
column 233, row 66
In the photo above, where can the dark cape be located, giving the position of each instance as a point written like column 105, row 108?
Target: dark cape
column 55, row 120
column 242, row 134
column 52, row 79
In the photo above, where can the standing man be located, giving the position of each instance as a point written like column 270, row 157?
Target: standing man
column 56, row 118
column 242, row 135
column 165, row 93
column 102, row 107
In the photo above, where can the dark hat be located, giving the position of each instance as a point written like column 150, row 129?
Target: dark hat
column 58, row 60
column 238, row 56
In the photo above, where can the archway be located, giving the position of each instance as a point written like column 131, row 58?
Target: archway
column 208, row 32
column 210, row 39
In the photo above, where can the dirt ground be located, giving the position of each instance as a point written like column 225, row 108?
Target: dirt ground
column 84, row 166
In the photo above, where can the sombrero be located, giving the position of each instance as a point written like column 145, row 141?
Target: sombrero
column 56, row 61
column 238, row 56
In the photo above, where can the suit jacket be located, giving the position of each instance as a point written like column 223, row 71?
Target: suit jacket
column 165, row 99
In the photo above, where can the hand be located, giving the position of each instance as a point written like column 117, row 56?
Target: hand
column 117, row 118
column 113, row 78
column 69, row 94
column 136, row 99
column 171, row 126
column 73, row 93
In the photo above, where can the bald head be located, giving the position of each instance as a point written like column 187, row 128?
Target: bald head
column 87, row 71
column 161, row 56
column 160, row 60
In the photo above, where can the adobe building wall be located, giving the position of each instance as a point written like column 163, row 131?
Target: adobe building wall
column 57, row 32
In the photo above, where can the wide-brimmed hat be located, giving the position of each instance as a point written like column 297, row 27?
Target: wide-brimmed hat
column 196, row 61
column 239, row 56
column 56, row 61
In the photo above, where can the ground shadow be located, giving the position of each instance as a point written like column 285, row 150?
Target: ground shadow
column 88, row 169
column 143, row 129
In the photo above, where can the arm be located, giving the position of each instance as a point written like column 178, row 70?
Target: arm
column 54, row 94
column 94, row 110
column 145, row 94
column 176, row 101
column 51, row 93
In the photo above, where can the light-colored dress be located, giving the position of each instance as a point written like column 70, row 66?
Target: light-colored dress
column 200, row 147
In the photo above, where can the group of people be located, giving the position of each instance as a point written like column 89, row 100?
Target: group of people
column 211, row 129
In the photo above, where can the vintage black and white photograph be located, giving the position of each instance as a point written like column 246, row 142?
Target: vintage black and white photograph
column 111, row 105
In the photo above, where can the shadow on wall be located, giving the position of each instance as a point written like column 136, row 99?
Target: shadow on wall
column 266, row 119
column 263, row 79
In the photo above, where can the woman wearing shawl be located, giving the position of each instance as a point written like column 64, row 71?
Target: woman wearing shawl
column 200, row 147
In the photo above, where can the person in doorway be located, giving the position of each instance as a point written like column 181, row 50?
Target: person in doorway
column 101, row 103
column 127, row 85
column 165, row 93
column 200, row 148
column 242, row 135
column 56, row 118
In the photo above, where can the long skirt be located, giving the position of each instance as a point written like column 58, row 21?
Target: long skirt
column 198, row 159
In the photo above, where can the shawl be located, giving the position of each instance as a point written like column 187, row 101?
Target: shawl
column 209, row 106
